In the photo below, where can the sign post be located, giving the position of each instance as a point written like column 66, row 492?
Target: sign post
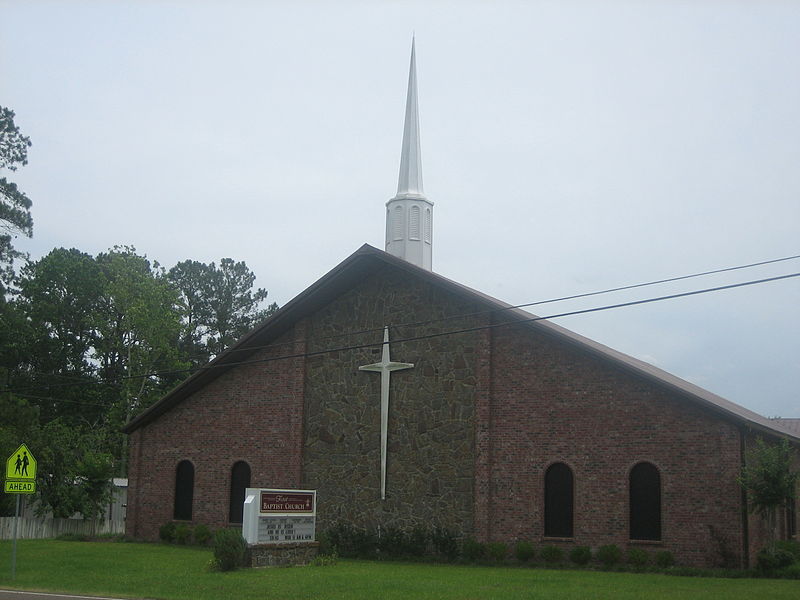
column 20, row 479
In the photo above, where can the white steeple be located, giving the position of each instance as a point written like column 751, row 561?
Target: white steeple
column 409, row 215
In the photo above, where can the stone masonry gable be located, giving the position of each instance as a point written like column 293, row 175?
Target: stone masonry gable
column 431, row 423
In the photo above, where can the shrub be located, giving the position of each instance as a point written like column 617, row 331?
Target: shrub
column 183, row 533
column 581, row 555
column 349, row 542
column 497, row 551
column 524, row 551
column 229, row 549
column 72, row 537
column 417, row 542
column 364, row 543
column 773, row 557
column 664, row 559
column 166, row 532
column 202, row 535
column 638, row 557
column 325, row 544
column 790, row 546
column 792, row 571
column 392, row 542
column 609, row 555
column 473, row 550
column 552, row 554
column 444, row 542
column 111, row 537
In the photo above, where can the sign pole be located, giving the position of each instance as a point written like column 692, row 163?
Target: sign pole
column 14, row 544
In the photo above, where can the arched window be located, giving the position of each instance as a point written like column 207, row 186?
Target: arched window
column 645, row 502
column 184, row 491
column 558, row 501
column 399, row 223
column 240, row 480
column 428, row 225
column 413, row 223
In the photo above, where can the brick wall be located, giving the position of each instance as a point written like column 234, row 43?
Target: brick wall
column 473, row 427
column 552, row 402
column 251, row 413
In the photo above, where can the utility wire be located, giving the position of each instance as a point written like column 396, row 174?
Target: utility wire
column 506, row 323
column 458, row 331
column 528, row 304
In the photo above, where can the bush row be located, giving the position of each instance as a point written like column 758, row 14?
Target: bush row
column 348, row 541
column 525, row 552
column 779, row 557
column 183, row 533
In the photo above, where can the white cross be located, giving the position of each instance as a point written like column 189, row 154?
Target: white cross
column 385, row 368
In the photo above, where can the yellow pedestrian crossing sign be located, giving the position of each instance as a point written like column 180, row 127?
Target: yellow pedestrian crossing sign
column 21, row 472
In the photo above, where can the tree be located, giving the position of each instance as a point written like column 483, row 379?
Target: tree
column 60, row 296
column 84, row 339
column 19, row 422
column 769, row 478
column 15, row 215
column 138, row 325
column 79, row 470
column 221, row 304
column 190, row 278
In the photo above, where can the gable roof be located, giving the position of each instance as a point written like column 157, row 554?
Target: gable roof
column 792, row 424
column 366, row 261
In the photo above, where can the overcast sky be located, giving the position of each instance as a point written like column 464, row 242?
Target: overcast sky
column 568, row 147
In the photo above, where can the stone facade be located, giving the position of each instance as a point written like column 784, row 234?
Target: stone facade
column 432, row 421
column 282, row 555
column 473, row 426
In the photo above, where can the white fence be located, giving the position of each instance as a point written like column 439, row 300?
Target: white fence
column 33, row 528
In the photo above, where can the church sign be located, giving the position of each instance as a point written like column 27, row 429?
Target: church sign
column 279, row 516
column 280, row 502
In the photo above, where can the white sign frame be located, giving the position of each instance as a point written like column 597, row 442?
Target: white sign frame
column 254, row 518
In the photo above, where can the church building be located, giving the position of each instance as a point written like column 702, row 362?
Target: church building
column 407, row 399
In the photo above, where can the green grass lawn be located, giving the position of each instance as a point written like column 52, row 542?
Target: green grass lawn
column 173, row 572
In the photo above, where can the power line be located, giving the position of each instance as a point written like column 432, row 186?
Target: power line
column 535, row 303
column 459, row 331
column 507, row 323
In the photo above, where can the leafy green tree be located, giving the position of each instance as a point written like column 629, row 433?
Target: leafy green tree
column 60, row 296
column 19, row 422
column 191, row 279
column 138, row 326
column 88, row 337
column 79, row 468
column 769, row 478
column 234, row 307
column 15, row 215
column 221, row 304
column 15, row 336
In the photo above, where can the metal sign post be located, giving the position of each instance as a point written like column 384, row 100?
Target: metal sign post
column 14, row 544
column 20, row 479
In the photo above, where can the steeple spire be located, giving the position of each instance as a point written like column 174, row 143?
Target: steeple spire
column 409, row 215
column 410, row 180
